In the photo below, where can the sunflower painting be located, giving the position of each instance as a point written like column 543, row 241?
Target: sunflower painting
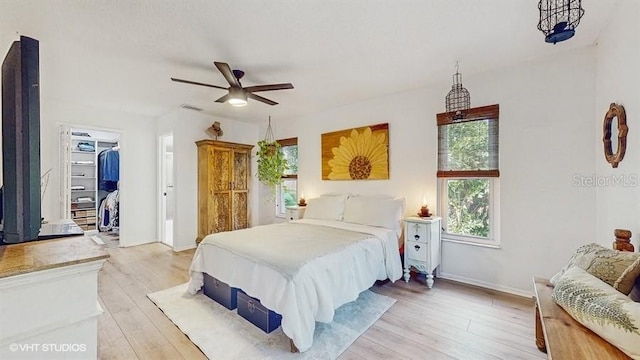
column 356, row 154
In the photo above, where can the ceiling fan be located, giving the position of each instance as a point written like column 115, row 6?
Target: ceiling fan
column 238, row 95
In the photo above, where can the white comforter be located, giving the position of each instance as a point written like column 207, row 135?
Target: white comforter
column 302, row 287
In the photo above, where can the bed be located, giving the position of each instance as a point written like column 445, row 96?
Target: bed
column 305, row 269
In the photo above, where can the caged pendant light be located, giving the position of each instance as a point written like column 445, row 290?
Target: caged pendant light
column 559, row 19
column 458, row 98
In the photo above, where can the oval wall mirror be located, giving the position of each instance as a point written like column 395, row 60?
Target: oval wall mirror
column 615, row 112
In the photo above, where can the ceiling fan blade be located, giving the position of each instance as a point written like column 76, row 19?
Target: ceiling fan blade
column 198, row 83
column 261, row 99
column 257, row 88
column 224, row 98
column 227, row 73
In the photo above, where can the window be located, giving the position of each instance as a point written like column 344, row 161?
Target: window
column 468, row 174
column 287, row 191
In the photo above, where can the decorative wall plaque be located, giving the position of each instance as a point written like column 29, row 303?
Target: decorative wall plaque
column 615, row 112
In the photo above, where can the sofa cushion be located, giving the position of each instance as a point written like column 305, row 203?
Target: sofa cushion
column 596, row 305
column 619, row 269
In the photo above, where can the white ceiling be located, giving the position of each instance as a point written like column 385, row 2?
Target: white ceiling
column 121, row 54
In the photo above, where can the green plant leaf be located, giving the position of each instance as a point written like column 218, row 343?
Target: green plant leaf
column 271, row 164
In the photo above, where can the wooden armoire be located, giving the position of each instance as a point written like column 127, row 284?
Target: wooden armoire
column 224, row 174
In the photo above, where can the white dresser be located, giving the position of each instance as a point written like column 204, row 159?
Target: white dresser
column 422, row 246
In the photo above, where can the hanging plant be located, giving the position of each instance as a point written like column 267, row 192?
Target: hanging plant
column 271, row 161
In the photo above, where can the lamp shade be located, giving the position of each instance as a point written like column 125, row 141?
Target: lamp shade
column 458, row 98
column 237, row 97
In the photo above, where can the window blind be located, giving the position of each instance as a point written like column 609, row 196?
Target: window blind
column 292, row 172
column 468, row 143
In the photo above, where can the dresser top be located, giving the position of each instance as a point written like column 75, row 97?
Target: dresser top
column 40, row 255
column 422, row 219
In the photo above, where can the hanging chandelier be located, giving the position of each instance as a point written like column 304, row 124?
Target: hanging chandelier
column 559, row 19
column 458, row 98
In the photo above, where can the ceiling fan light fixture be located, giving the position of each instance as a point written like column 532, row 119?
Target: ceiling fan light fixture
column 237, row 97
column 237, row 102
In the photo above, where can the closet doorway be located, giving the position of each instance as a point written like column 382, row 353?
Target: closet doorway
column 167, row 195
column 90, row 181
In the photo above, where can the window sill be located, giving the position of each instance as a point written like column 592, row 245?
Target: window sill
column 487, row 244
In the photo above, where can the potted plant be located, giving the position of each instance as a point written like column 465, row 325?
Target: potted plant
column 271, row 163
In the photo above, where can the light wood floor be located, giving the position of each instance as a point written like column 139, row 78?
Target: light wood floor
column 450, row 321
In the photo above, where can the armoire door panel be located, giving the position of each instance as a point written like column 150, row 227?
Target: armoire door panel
column 240, row 170
column 222, row 169
column 240, row 210
column 221, row 213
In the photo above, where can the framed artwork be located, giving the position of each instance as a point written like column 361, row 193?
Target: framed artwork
column 356, row 154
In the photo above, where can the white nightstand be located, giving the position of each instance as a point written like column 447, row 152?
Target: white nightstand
column 422, row 246
column 294, row 212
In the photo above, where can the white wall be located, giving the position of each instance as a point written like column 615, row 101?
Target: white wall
column 546, row 137
column 137, row 164
column 618, row 81
column 189, row 126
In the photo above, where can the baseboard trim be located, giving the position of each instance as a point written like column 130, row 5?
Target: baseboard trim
column 126, row 245
column 183, row 248
column 474, row 282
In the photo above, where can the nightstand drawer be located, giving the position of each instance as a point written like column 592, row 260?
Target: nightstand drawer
column 294, row 212
column 418, row 232
column 416, row 251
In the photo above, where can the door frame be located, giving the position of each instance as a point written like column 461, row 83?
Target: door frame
column 162, row 208
column 66, row 172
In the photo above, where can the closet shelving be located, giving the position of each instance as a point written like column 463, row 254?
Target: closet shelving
column 84, row 174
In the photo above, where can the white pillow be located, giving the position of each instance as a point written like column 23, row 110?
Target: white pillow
column 325, row 208
column 375, row 211
column 346, row 195
column 377, row 196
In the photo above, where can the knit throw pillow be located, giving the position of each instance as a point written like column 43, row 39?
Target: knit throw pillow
column 619, row 269
column 577, row 257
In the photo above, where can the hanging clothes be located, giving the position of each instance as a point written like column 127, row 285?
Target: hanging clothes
column 108, row 169
column 108, row 212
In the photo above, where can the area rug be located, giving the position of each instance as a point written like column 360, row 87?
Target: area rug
column 223, row 334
